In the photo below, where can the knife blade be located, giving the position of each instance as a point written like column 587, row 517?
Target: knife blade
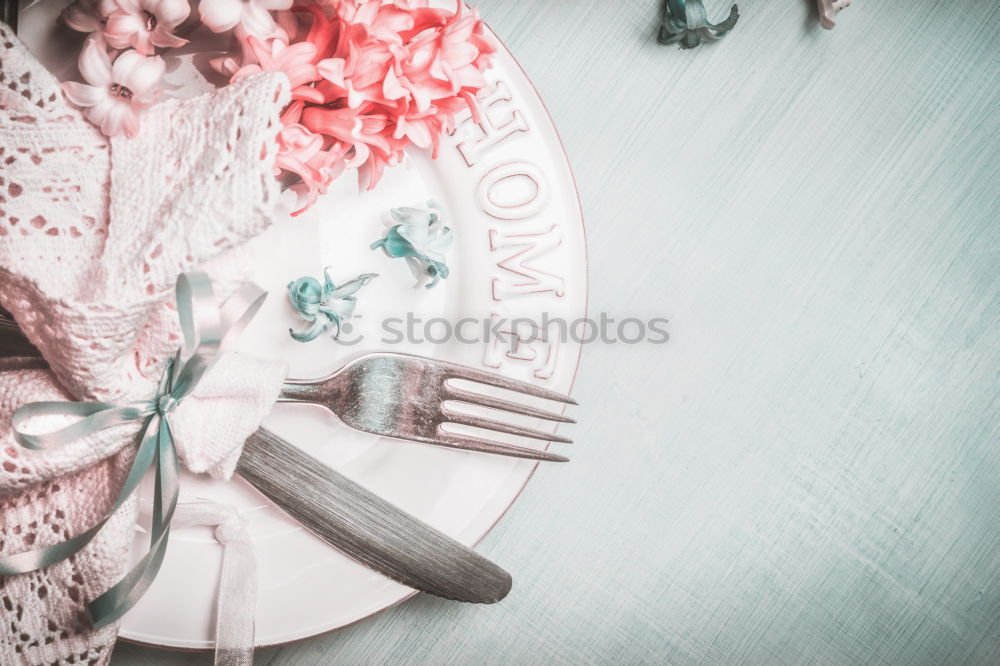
column 366, row 527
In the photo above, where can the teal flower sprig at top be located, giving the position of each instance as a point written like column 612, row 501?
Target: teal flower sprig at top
column 686, row 21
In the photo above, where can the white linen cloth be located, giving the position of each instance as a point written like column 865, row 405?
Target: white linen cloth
column 93, row 233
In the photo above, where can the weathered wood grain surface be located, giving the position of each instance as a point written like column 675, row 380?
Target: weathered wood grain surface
column 809, row 472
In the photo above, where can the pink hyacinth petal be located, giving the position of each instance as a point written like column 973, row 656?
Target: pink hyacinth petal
column 169, row 13
column 473, row 105
column 260, row 51
column 119, row 119
column 337, row 123
column 332, row 69
column 131, row 122
column 288, row 23
column 435, row 144
column 292, row 113
column 470, row 77
column 361, row 155
column 417, row 133
column 124, row 30
column 322, row 32
column 298, row 66
column 392, row 87
column 83, row 95
column 302, row 52
column 257, row 20
column 97, row 113
column 221, row 15
column 166, row 40
column 104, row 7
column 130, row 6
column 138, row 73
column 308, row 94
column 83, row 16
column 298, row 138
column 94, row 63
column 354, row 98
column 295, row 61
column 422, row 96
column 371, row 172
column 225, row 65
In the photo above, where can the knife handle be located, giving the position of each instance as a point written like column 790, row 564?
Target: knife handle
column 366, row 527
column 9, row 10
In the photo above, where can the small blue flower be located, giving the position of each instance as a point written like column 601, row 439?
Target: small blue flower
column 325, row 305
column 686, row 21
column 420, row 238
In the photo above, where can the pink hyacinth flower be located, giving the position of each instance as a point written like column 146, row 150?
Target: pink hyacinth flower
column 253, row 16
column 88, row 15
column 385, row 75
column 146, row 24
column 399, row 74
column 114, row 93
column 296, row 61
column 305, row 154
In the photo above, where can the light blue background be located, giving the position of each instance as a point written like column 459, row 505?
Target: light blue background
column 809, row 471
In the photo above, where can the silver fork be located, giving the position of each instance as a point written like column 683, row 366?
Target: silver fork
column 403, row 396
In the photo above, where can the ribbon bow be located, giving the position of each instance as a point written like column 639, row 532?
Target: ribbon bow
column 208, row 331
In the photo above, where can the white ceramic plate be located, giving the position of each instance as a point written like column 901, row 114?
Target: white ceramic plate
column 506, row 189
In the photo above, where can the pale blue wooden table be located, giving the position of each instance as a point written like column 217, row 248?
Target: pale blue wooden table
column 809, row 472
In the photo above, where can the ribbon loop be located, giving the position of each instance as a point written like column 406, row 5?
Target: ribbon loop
column 237, row 597
column 208, row 331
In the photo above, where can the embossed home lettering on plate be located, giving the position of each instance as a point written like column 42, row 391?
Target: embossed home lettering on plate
column 514, row 195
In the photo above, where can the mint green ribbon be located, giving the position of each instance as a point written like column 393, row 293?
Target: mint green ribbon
column 208, row 332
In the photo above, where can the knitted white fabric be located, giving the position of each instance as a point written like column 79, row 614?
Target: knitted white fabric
column 93, row 234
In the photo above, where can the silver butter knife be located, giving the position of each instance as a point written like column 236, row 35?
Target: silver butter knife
column 366, row 527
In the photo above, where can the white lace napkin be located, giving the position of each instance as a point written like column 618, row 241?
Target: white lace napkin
column 93, row 233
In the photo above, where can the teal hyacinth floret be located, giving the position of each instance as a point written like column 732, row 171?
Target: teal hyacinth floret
column 421, row 239
column 686, row 21
column 325, row 305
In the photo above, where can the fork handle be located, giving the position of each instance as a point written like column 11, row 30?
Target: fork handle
column 316, row 392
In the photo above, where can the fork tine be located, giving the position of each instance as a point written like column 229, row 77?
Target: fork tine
column 505, row 405
column 497, row 426
column 456, row 371
column 468, row 443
